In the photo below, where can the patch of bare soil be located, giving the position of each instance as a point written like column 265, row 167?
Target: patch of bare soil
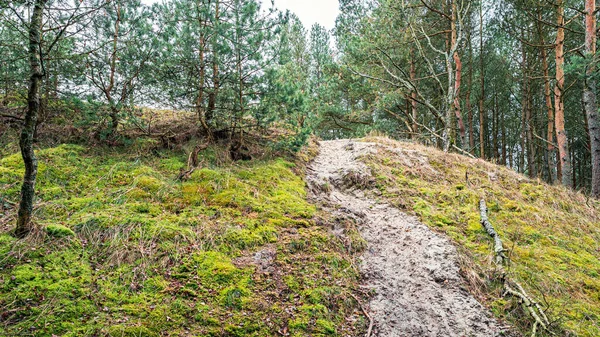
column 412, row 271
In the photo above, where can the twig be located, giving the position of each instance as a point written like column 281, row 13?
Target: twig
column 371, row 322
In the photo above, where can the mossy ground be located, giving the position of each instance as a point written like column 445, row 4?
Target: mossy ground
column 124, row 249
column 552, row 234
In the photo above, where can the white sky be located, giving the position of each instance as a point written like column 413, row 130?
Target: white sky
column 323, row 12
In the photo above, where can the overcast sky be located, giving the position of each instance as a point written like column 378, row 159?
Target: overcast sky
column 309, row 11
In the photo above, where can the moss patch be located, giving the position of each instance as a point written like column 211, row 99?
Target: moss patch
column 127, row 250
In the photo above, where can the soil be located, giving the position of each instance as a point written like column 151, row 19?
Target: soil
column 411, row 270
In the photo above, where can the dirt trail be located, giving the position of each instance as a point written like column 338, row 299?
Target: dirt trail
column 412, row 270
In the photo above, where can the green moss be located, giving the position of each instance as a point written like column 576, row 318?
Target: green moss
column 234, row 296
column 325, row 326
column 133, row 252
column 59, row 231
column 123, row 330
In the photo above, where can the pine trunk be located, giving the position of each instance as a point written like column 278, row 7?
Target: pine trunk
column 413, row 96
column 212, row 97
column 561, row 136
column 548, row 98
column 457, row 78
column 482, row 94
column 589, row 95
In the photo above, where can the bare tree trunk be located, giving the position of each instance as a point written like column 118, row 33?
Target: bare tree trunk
column 201, row 112
column 202, row 78
column 548, row 98
column 561, row 136
column 212, row 97
column 503, row 126
column 468, row 99
column 24, row 222
column 457, row 78
column 413, row 95
column 495, row 128
column 527, row 114
column 114, row 111
column 482, row 93
column 589, row 94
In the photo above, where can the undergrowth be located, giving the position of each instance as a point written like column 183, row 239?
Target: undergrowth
column 552, row 234
column 124, row 249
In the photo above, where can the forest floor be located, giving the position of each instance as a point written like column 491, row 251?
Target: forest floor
column 412, row 270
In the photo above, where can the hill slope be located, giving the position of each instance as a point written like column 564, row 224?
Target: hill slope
column 552, row 234
column 125, row 249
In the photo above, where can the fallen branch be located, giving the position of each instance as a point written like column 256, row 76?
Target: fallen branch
column 498, row 247
column 15, row 118
column 371, row 322
column 512, row 287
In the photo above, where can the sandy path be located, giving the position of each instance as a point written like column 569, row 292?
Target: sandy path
column 412, row 270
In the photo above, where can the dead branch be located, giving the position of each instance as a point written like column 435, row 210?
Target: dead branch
column 192, row 163
column 512, row 287
column 371, row 322
column 498, row 248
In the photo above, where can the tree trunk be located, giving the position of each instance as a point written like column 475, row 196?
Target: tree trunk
column 589, row 95
column 24, row 221
column 561, row 136
column 413, row 95
column 482, row 93
column 527, row 115
column 114, row 111
column 495, row 122
column 202, row 78
column 503, row 127
column 212, row 97
column 457, row 78
column 468, row 99
column 548, row 97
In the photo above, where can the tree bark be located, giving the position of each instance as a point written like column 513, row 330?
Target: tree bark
column 468, row 99
column 114, row 110
column 527, row 115
column 548, row 98
column 413, row 95
column 482, row 93
column 212, row 97
column 561, row 136
column 24, row 221
column 457, row 78
column 589, row 95
column 497, row 139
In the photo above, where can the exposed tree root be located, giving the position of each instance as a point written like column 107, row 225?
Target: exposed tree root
column 512, row 287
